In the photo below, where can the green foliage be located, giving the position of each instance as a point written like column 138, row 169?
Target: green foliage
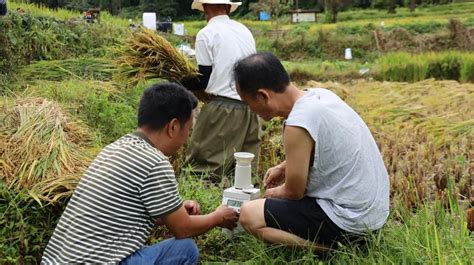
column 28, row 38
column 111, row 113
column 453, row 9
column 448, row 66
column 420, row 28
column 355, row 29
column 300, row 43
column 401, row 67
column 445, row 66
column 333, row 7
column 422, row 237
column 25, row 226
column 326, row 70
column 274, row 7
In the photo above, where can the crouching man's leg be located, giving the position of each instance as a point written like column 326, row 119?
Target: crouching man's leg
column 286, row 222
column 170, row 251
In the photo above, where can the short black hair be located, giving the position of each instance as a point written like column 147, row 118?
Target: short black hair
column 260, row 70
column 161, row 103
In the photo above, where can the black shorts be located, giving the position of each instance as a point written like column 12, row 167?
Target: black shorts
column 304, row 218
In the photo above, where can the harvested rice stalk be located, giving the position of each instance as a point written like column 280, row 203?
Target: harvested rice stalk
column 41, row 149
column 78, row 68
column 147, row 55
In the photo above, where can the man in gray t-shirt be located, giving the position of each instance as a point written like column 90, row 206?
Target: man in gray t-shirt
column 333, row 184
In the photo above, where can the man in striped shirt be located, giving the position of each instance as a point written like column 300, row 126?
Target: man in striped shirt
column 130, row 187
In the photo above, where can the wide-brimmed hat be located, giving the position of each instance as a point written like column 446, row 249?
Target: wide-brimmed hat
column 197, row 4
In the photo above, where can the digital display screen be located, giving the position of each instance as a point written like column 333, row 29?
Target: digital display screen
column 233, row 203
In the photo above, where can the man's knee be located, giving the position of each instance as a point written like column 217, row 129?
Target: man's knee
column 189, row 249
column 251, row 214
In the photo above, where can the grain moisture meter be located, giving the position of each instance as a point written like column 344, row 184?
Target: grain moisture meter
column 243, row 189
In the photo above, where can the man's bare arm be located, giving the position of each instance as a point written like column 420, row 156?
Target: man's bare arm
column 298, row 145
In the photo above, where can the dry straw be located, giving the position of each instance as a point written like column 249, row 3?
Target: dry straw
column 41, row 149
column 147, row 55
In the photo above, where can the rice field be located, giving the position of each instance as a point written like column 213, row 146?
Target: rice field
column 361, row 18
column 57, row 114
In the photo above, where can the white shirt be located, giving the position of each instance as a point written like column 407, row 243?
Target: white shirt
column 221, row 44
column 348, row 176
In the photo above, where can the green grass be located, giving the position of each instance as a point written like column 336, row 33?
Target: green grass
column 65, row 14
column 25, row 226
column 456, row 9
column 327, row 70
column 416, row 67
column 431, row 235
column 109, row 112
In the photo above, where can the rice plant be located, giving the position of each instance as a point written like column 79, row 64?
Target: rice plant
column 42, row 148
column 407, row 67
column 147, row 55
column 80, row 68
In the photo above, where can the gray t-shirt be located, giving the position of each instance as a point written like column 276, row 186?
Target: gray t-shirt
column 348, row 177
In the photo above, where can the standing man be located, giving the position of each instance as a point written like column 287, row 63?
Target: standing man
column 130, row 187
column 333, row 184
column 3, row 7
column 225, row 125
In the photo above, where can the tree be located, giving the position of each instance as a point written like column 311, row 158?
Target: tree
column 275, row 7
column 333, row 7
column 412, row 5
column 391, row 5
column 164, row 8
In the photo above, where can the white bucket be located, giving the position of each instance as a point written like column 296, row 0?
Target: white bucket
column 348, row 54
column 178, row 29
column 149, row 20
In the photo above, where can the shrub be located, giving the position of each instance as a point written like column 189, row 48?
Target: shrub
column 26, row 38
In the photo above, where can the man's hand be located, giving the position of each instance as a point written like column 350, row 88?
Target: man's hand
column 192, row 207
column 272, row 193
column 274, row 177
column 229, row 217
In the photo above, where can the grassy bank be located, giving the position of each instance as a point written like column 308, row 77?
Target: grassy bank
column 394, row 67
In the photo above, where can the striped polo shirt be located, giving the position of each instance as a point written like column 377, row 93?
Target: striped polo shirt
column 113, row 209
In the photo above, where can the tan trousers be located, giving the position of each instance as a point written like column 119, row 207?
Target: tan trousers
column 224, row 126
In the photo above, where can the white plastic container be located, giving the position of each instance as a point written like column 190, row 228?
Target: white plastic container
column 178, row 29
column 243, row 170
column 348, row 54
column 149, row 20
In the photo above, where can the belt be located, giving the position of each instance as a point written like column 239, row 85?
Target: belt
column 221, row 99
